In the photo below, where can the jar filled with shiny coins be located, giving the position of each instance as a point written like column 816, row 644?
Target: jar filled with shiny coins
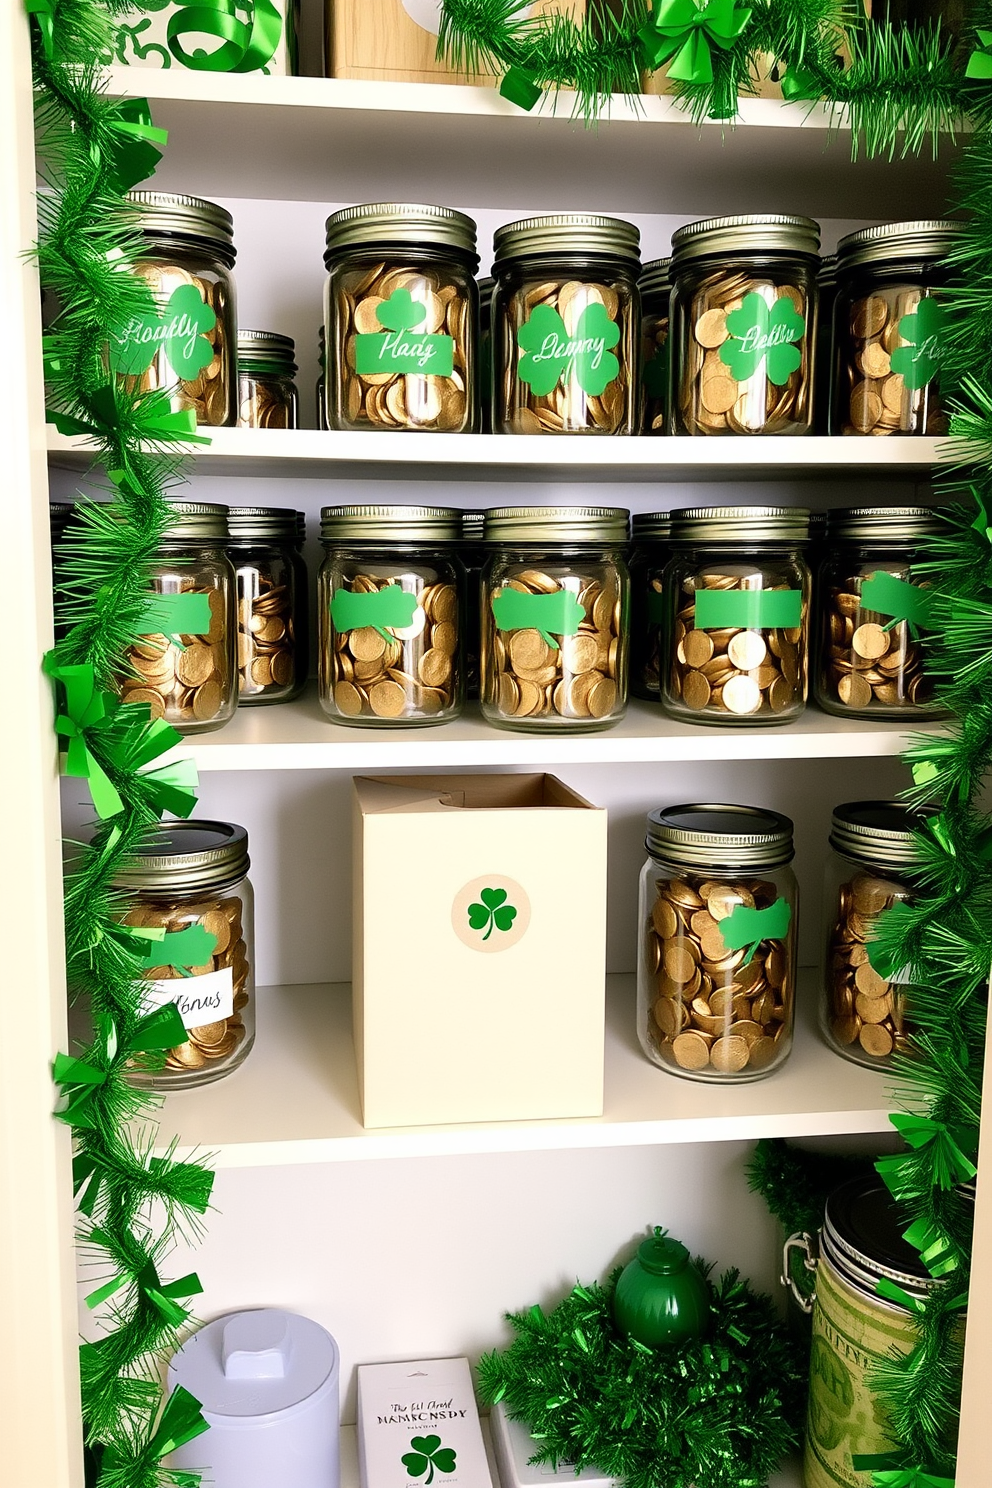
column 874, row 864
column 650, row 535
column 182, row 337
column 555, row 613
column 737, row 598
column 267, row 397
column 270, row 577
column 184, row 663
column 391, row 615
column 566, row 326
column 401, row 311
column 874, row 614
column 189, row 898
column 716, row 969
column 890, row 329
column 743, row 330
column 656, row 290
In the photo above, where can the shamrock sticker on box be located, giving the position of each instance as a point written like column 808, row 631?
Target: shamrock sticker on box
column 428, row 1454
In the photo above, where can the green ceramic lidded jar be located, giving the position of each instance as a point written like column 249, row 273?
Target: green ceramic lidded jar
column 661, row 1298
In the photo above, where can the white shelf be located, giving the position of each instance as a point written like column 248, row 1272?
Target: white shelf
column 295, row 1099
column 317, row 139
column 371, row 455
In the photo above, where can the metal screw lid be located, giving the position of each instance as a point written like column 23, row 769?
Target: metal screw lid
column 557, row 524
column 863, row 1240
column 720, row 837
column 827, row 276
column 579, row 233
column 412, row 224
column 879, row 522
column 396, row 524
column 162, row 212
column 187, row 855
column 656, row 277
column 200, row 521
column 249, row 524
column 301, row 528
column 651, row 526
column 473, row 525
column 750, row 233
column 878, row 832
column 924, row 241
column 752, row 525
column 266, row 351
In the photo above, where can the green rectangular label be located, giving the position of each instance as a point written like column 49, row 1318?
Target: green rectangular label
column 888, row 595
column 748, row 609
column 405, row 351
column 177, row 614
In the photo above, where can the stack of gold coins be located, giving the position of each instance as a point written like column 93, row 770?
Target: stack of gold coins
column 183, row 679
column 655, row 286
column 266, row 638
column 409, row 671
column 864, row 1007
column 267, row 397
column 272, row 590
column 872, row 660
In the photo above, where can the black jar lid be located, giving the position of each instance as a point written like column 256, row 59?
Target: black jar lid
column 881, row 832
column 862, row 1237
column 727, row 838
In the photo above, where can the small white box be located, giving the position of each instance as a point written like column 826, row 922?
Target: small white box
column 418, row 1425
column 514, row 1447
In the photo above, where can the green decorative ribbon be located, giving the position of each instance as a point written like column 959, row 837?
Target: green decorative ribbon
column 951, row 1165
column 154, row 420
column 180, row 1422
column 519, row 87
column 798, row 85
column 138, row 146
column 163, row 1296
column 248, row 46
column 684, row 30
column 889, row 1471
column 78, row 1081
column 980, row 62
column 936, row 1251
column 43, row 12
column 748, row 609
column 84, row 711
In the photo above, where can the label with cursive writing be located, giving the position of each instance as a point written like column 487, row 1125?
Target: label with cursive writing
column 400, row 347
column 551, row 354
column 182, row 330
column 199, row 999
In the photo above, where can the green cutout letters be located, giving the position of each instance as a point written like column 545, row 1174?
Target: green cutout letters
column 549, row 353
column 181, row 329
column 749, row 927
column 396, row 348
column 748, row 609
column 391, row 606
column 551, row 614
column 492, row 913
column 428, row 1453
column 759, row 335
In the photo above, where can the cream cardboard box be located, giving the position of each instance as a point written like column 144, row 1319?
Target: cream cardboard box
column 479, row 949
column 418, row 1424
column 235, row 36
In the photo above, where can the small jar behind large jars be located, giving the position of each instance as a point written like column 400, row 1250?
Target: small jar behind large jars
column 650, row 534
column 188, row 878
column 890, row 326
column 744, row 325
column 716, row 963
column 401, row 311
column 267, row 397
column 655, row 285
column 270, row 574
column 555, row 612
column 737, row 596
column 566, row 326
column 875, row 863
column 826, row 282
column 184, row 664
column 390, row 615
column 184, row 340
column 485, row 359
column 873, row 623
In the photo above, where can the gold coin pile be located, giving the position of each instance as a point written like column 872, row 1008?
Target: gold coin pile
column 414, row 675
column 876, row 398
column 402, row 400
column 868, row 663
column 863, row 1007
column 182, row 684
column 208, row 394
column 224, row 919
column 711, row 1011
column 710, row 400
column 739, row 671
column 524, row 677
column 266, row 639
column 263, row 404
column 567, row 408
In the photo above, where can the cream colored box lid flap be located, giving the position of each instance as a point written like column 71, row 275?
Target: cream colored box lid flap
column 437, row 793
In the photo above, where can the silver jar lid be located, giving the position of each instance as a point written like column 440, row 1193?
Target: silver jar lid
column 412, row 224
column 301, row 528
column 862, row 1238
column 567, row 233
column 161, row 212
column 740, row 524
column 884, row 522
column 723, row 838
column 651, row 526
column 185, row 855
column 923, row 242
column 879, row 832
column 473, row 525
column 751, row 233
column 656, row 277
column 557, row 524
column 267, row 351
column 202, row 521
column 395, row 524
column 248, row 524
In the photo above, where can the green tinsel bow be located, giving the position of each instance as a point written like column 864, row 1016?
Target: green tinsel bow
column 78, row 1081
column 180, row 1422
column 889, row 1472
column 84, row 710
column 161, row 1295
column 139, row 144
column 683, row 30
column 950, row 1166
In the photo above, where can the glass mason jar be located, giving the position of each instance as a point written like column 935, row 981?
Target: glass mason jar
column 270, row 575
column 486, row 287
column 744, row 325
column 890, row 326
column 827, row 293
column 401, row 309
column 184, row 665
column 655, row 285
column 737, row 597
column 873, row 614
column 390, row 615
column 566, row 326
column 473, row 556
column 874, row 864
column 320, row 391
column 267, row 397
column 184, row 342
column 716, row 961
column 555, row 612
column 189, row 878
column 650, row 536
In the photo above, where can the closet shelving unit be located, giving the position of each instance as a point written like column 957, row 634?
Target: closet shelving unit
column 291, row 1115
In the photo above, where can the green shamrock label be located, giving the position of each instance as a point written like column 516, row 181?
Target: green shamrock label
column 749, row 927
column 549, row 353
column 492, row 914
column 175, row 615
column 427, row 1455
column 390, row 607
column 762, row 336
column 395, row 349
column 918, row 362
column 192, row 946
column 181, row 329
column 888, row 595
column 551, row 614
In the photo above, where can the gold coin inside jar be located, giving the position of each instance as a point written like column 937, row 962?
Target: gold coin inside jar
column 742, row 694
column 747, row 650
column 691, row 1051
